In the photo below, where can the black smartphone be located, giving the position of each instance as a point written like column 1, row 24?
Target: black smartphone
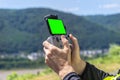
column 56, row 28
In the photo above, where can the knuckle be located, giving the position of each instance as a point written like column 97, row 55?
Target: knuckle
column 66, row 41
column 75, row 39
column 52, row 49
column 66, row 50
column 49, row 55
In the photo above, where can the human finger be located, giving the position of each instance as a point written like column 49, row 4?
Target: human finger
column 49, row 46
column 46, row 44
column 65, row 42
column 74, row 41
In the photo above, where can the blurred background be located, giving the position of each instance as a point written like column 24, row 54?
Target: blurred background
column 96, row 24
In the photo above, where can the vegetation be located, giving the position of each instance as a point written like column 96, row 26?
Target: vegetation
column 25, row 30
column 20, row 63
column 109, row 63
column 14, row 76
column 114, row 50
column 111, row 22
column 47, row 71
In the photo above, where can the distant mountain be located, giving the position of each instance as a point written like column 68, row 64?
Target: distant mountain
column 25, row 30
column 111, row 22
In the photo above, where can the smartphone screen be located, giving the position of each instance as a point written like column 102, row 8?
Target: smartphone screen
column 56, row 27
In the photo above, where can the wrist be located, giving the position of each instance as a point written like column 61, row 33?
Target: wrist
column 79, row 66
column 66, row 70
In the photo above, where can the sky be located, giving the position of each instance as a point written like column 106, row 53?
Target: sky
column 78, row 7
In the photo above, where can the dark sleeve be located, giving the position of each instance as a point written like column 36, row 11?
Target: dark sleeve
column 72, row 76
column 92, row 73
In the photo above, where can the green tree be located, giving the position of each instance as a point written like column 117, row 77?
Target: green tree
column 114, row 49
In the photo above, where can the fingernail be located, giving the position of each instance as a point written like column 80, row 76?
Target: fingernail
column 70, row 35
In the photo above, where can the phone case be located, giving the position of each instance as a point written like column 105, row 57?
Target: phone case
column 55, row 40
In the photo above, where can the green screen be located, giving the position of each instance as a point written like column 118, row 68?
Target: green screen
column 56, row 26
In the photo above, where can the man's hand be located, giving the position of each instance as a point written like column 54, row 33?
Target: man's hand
column 59, row 59
column 77, row 63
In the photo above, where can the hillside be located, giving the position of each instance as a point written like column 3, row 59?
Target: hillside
column 25, row 30
column 111, row 22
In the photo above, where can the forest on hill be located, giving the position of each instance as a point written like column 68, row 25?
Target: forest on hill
column 25, row 30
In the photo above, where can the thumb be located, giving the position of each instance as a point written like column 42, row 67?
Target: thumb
column 74, row 42
column 75, row 47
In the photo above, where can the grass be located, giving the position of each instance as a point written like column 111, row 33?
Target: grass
column 107, row 63
column 110, row 68
column 47, row 74
column 50, row 76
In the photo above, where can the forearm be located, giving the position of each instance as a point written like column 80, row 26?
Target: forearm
column 78, row 70
column 65, row 71
column 91, row 73
column 68, row 73
column 80, row 66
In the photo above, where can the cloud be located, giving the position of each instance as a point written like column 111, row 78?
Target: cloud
column 71, row 9
column 109, row 6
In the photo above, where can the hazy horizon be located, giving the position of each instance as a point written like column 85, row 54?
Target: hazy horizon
column 60, row 11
